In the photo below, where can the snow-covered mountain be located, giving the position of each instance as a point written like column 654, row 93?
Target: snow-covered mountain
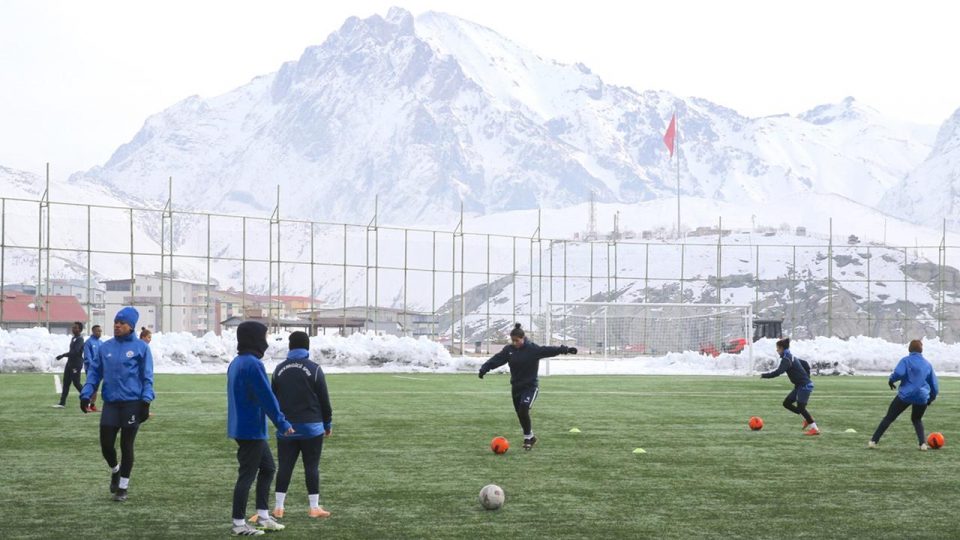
column 432, row 110
column 931, row 193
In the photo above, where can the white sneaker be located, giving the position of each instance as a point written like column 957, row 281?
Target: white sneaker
column 924, row 447
column 872, row 444
column 57, row 406
column 245, row 530
column 269, row 525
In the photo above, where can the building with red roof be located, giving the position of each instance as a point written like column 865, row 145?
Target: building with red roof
column 27, row 311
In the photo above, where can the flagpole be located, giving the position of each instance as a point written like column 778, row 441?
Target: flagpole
column 676, row 145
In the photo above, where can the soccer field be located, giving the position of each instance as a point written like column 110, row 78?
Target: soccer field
column 410, row 452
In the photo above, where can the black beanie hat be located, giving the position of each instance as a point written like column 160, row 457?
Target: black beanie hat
column 252, row 338
column 299, row 340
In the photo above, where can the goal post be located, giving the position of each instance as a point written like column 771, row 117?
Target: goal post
column 623, row 330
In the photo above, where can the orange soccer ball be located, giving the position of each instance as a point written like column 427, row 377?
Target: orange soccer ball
column 755, row 423
column 936, row 440
column 499, row 445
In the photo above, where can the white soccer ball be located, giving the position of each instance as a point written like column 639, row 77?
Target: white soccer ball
column 492, row 497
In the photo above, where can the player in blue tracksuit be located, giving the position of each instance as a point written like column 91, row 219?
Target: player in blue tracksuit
column 918, row 389
column 124, row 366
column 523, row 357
column 249, row 401
column 798, row 372
column 301, row 390
column 71, row 371
column 90, row 349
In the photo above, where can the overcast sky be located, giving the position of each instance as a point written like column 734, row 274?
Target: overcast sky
column 79, row 78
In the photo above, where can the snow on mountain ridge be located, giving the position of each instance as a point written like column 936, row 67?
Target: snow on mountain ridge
column 434, row 110
column 930, row 195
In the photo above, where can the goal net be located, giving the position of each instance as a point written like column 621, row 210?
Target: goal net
column 620, row 330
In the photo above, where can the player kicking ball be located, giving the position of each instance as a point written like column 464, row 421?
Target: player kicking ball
column 523, row 356
column 798, row 372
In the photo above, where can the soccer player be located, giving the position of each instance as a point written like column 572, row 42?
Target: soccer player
column 249, row 401
column 523, row 356
column 799, row 373
column 918, row 389
column 125, row 366
column 71, row 371
column 90, row 349
column 301, row 390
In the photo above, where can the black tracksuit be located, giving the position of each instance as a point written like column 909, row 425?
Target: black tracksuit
column 71, row 371
column 301, row 390
column 524, row 365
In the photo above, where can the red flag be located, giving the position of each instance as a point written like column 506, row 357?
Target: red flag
column 671, row 134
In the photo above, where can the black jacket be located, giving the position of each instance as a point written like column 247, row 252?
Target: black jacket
column 301, row 389
column 75, row 354
column 524, row 362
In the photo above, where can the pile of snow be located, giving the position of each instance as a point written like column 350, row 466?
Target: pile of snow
column 35, row 349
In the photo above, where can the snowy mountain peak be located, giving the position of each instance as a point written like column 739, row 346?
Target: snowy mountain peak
column 849, row 109
column 948, row 137
column 433, row 110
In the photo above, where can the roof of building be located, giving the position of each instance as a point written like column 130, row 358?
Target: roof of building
column 57, row 309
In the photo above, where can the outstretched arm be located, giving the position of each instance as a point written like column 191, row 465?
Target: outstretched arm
column 550, row 352
column 781, row 369
column 495, row 361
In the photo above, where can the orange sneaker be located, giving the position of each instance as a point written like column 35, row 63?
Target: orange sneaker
column 319, row 512
column 804, row 424
column 277, row 513
column 812, row 431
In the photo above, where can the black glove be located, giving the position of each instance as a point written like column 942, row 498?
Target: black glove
column 893, row 385
column 483, row 371
column 931, row 400
column 572, row 350
column 85, row 405
column 60, row 357
column 144, row 413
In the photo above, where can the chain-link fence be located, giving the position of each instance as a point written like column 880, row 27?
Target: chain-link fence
column 199, row 272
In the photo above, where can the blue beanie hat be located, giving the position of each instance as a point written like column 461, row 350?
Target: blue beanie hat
column 128, row 315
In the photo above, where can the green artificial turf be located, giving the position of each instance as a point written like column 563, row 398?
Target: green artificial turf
column 410, row 452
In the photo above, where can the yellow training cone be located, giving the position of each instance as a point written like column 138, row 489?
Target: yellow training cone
column 574, row 430
column 639, row 451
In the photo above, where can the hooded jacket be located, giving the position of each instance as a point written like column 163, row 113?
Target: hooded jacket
column 920, row 383
column 249, row 397
column 123, row 364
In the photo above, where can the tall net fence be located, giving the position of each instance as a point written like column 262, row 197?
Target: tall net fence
column 196, row 272
column 628, row 330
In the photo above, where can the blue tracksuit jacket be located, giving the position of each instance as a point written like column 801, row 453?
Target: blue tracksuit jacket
column 125, row 367
column 919, row 381
column 250, row 400
column 90, row 349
